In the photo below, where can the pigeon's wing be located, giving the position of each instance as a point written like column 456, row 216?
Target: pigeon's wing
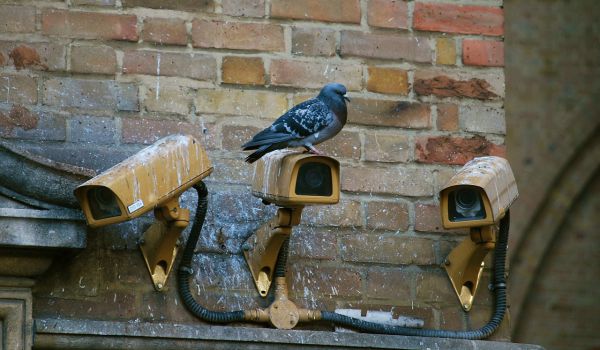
column 301, row 121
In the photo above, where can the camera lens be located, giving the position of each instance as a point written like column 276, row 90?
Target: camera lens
column 465, row 204
column 314, row 179
column 466, row 200
column 103, row 203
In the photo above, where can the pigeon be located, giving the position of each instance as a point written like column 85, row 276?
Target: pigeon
column 305, row 125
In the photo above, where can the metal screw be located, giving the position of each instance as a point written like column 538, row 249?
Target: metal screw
column 159, row 286
column 142, row 241
column 447, row 262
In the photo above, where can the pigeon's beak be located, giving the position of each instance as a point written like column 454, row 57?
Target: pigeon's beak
column 346, row 98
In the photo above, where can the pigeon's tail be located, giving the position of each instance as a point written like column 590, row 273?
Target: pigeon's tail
column 261, row 151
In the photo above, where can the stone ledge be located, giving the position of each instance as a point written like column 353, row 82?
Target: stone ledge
column 88, row 334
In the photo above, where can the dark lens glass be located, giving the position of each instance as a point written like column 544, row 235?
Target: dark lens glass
column 465, row 204
column 103, row 203
column 314, row 179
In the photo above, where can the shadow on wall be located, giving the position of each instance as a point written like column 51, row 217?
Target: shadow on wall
column 552, row 71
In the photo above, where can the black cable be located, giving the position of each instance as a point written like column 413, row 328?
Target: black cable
column 281, row 264
column 499, row 289
column 185, row 269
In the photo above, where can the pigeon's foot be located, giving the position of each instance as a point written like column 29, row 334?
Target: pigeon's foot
column 313, row 150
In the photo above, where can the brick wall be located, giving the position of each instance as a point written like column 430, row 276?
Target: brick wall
column 90, row 81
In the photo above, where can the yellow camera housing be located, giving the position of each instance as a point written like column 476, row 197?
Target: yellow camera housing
column 287, row 178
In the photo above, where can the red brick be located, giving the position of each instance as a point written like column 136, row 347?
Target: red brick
column 313, row 42
column 324, row 281
column 89, row 25
column 388, row 80
column 447, row 117
column 428, row 218
column 17, row 19
column 391, row 284
column 313, row 74
column 464, row 19
column 181, row 5
column 21, row 123
column 93, row 59
column 18, row 89
column 445, row 86
column 412, row 182
column 387, row 14
column 483, row 53
column 454, row 150
column 244, row 8
column 389, row 249
column 387, row 216
column 188, row 65
column 237, row 35
column 390, row 148
column 50, row 56
column 346, row 11
column 147, row 131
column 385, row 46
column 165, row 31
column 389, row 113
column 243, row 70
column 435, row 287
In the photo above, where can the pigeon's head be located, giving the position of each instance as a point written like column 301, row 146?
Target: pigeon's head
column 335, row 92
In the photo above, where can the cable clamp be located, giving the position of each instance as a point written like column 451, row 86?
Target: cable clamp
column 186, row 269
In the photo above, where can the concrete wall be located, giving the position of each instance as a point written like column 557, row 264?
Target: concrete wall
column 89, row 82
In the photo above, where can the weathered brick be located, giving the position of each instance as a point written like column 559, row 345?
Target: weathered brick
column 447, row 117
column 483, row 53
column 454, row 150
column 389, row 113
column 390, row 284
column 387, row 216
column 182, row 5
column 313, row 42
column 188, row 65
column 232, row 171
column 93, row 59
column 94, row 2
column 387, row 249
column 345, row 213
column 18, row 89
column 314, row 75
column 445, row 51
column 237, row 35
column 482, row 119
column 168, row 99
column 33, row 55
column 387, row 14
column 147, row 131
column 165, row 31
column 92, row 129
column 241, row 102
column 346, row 144
column 17, row 19
column 445, row 86
column 21, row 123
column 464, row 19
column 325, row 281
column 244, row 8
column 385, row 46
column 345, row 11
column 90, row 94
column 391, row 148
column 428, row 218
column 234, row 136
column 243, row 70
column 434, row 287
column 89, row 25
column 313, row 243
column 388, row 80
column 404, row 181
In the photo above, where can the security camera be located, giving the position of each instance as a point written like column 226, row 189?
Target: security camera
column 477, row 197
column 479, row 194
column 288, row 179
column 152, row 179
